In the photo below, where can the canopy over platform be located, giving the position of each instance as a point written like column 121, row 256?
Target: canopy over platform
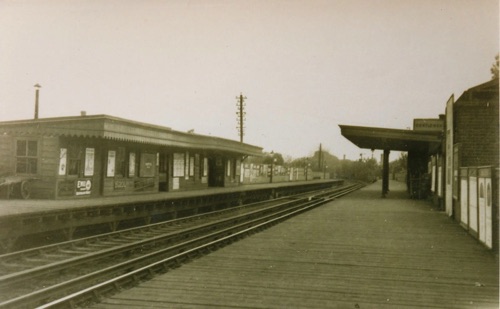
column 420, row 142
column 119, row 129
column 393, row 139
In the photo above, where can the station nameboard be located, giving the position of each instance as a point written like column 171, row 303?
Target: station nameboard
column 428, row 124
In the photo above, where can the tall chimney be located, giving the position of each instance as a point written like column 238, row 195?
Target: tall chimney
column 37, row 87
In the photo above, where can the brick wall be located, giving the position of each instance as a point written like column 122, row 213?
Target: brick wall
column 476, row 129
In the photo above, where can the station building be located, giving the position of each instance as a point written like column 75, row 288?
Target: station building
column 101, row 155
column 452, row 159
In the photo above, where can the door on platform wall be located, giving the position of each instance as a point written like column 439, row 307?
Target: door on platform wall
column 163, row 172
column 215, row 172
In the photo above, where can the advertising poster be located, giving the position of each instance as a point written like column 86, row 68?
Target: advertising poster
column 464, row 202
column 191, row 166
column 178, row 164
column 482, row 209
column 148, row 164
column 89, row 161
column 131, row 164
column 186, row 171
column 205, row 167
column 63, row 155
column 489, row 215
column 83, row 187
column 111, row 163
column 473, row 203
column 175, row 184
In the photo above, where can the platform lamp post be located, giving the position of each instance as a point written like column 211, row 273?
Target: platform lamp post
column 37, row 87
column 307, row 167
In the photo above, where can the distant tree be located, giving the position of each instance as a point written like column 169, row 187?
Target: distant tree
column 399, row 165
column 494, row 68
column 366, row 170
column 327, row 158
column 274, row 157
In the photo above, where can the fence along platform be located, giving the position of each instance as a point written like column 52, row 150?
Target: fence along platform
column 359, row 251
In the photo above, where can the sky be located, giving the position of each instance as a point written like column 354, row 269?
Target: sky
column 305, row 66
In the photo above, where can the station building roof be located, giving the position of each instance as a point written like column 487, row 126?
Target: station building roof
column 119, row 129
column 484, row 92
column 393, row 139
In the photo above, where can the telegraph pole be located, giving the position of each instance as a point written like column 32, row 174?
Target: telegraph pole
column 241, row 115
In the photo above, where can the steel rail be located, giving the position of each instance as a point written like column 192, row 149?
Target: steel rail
column 77, row 246
column 119, row 269
column 69, row 245
column 55, row 249
column 114, row 247
column 91, row 294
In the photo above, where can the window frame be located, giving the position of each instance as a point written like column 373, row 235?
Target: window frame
column 27, row 157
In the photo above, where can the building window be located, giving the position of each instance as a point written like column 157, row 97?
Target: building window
column 26, row 157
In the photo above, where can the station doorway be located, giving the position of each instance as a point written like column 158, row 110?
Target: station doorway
column 215, row 172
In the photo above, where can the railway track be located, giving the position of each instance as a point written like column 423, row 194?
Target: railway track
column 79, row 272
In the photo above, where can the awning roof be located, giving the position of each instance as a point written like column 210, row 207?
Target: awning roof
column 392, row 139
column 114, row 128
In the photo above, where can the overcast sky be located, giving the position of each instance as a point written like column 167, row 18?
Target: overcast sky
column 305, row 66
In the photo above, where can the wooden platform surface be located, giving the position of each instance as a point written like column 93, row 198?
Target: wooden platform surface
column 360, row 251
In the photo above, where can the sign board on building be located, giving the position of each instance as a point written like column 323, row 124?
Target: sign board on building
column 83, row 187
column 431, row 124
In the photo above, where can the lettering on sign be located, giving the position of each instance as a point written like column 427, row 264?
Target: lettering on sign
column 120, row 184
column 428, row 125
column 83, row 187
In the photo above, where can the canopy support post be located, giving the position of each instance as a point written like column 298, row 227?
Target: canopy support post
column 385, row 173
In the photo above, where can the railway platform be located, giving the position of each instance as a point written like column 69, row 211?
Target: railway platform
column 359, row 251
column 27, row 222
